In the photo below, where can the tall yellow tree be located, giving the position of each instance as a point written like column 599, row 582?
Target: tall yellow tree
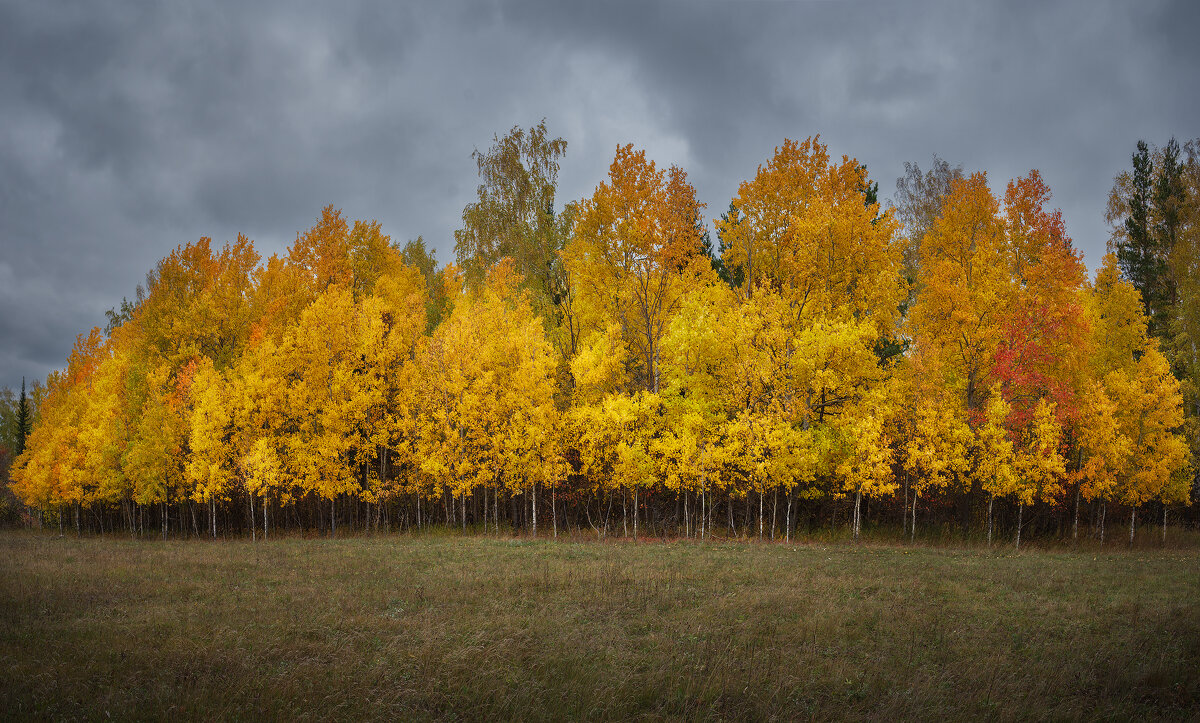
column 489, row 418
column 635, row 251
column 803, row 226
column 965, row 285
column 995, row 455
column 1038, row 461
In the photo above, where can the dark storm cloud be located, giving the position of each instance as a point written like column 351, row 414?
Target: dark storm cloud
column 128, row 128
column 1066, row 88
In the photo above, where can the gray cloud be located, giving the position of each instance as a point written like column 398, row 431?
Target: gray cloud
column 128, row 128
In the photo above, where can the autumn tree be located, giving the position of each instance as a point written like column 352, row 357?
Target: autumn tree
column 1150, row 414
column 52, row 472
column 602, row 352
column 866, row 464
column 1045, row 340
column 415, row 254
column 937, row 438
column 966, row 285
column 996, row 461
column 488, row 417
column 1146, row 413
column 801, row 226
column 635, row 250
column 1038, row 460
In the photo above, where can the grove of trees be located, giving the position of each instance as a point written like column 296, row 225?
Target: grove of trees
column 942, row 363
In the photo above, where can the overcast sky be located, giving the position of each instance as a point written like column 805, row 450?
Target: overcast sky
column 129, row 128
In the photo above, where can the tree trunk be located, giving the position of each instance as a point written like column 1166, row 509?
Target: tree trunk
column 534, row 501
column 787, row 534
column 213, row 515
column 1103, row 507
column 1164, row 535
column 857, row 511
column 1132, row 523
column 991, row 500
column 253, row 522
column 914, row 517
column 164, row 520
column 554, row 511
column 686, row 531
column 265, row 525
column 333, row 516
column 1020, row 509
column 625, row 513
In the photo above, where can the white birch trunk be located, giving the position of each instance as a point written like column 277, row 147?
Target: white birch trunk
column 857, row 512
column 787, row 534
column 914, row 517
column 1020, row 509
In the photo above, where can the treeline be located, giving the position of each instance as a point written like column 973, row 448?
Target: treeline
column 604, row 367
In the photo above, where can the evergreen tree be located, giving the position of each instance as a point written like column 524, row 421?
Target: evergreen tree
column 734, row 277
column 713, row 254
column 868, row 188
column 24, row 420
column 1169, row 198
column 1138, row 255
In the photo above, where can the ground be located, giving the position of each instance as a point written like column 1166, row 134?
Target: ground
column 480, row 628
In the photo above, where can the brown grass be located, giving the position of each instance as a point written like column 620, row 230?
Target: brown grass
column 476, row 628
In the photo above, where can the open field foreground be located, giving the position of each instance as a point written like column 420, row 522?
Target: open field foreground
column 477, row 628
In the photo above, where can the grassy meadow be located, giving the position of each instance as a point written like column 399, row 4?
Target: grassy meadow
column 447, row 627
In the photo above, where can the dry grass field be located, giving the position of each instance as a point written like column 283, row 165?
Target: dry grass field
column 474, row 628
